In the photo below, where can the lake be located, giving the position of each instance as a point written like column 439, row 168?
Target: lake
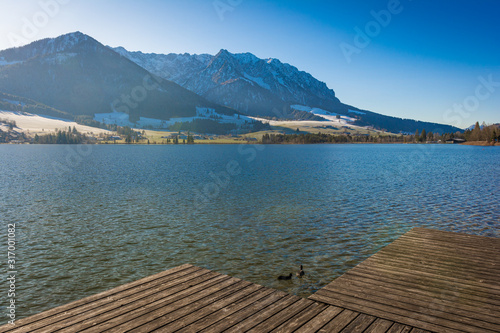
column 90, row 218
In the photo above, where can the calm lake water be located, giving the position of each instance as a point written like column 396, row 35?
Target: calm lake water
column 95, row 217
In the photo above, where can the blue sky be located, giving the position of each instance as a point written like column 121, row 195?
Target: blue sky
column 428, row 60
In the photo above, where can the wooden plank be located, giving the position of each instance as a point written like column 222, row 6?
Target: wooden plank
column 320, row 320
column 123, row 300
column 462, row 292
column 433, row 286
column 222, row 314
column 476, row 286
column 359, row 324
column 295, row 322
column 107, row 296
column 59, row 319
column 253, row 315
column 433, row 300
column 277, row 319
column 398, row 328
column 126, row 303
column 195, row 314
column 164, row 316
column 407, row 276
column 407, row 314
column 450, row 244
column 443, row 272
column 417, row 330
column 428, row 261
column 408, row 305
column 406, row 329
column 340, row 322
column 129, row 312
column 379, row 326
column 454, row 236
column 384, row 311
column 463, row 249
column 450, row 262
column 150, row 311
column 485, row 279
column 444, row 250
column 453, row 256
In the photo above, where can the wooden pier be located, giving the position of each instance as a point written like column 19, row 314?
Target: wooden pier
column 434, row 280
column 426, row 281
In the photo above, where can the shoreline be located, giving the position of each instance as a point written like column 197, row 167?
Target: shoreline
column 472, row 143
column 481, row 144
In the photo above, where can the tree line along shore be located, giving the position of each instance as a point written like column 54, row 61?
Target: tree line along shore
column 479, row 135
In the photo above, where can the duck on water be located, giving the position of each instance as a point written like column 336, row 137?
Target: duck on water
column 299, row 274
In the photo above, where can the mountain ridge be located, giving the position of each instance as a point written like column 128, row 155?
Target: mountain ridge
column 261, row 87
column 77, row 74
column 277, row 84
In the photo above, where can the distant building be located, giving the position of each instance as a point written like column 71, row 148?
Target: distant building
column 455, row 141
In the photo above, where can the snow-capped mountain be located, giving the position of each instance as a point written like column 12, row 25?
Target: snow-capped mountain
column 77, row 74
column 173, row 67
column 260, row 87
column 264, row 87
column 60, row 45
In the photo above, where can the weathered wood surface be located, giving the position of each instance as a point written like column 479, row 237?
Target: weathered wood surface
column 193, row 299
column 434, row 280
column 425, row 281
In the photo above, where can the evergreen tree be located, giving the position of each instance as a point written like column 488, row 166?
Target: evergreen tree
column 423, row 136
column 476, row 132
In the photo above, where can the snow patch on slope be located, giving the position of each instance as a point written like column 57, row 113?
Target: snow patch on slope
column 13, row 102
column 4, row 62
column 356, row 112
column 257, row 80
column 331, row 116
column 114, row 118
column 33, row 123
column 122, row 119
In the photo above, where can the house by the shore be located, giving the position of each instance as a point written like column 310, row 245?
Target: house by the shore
column 455, row 141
